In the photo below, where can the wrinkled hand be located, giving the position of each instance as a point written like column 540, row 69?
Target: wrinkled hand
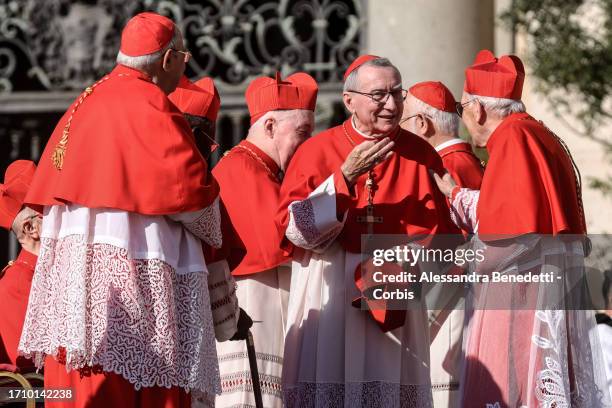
column 365, row 156
column 445, row 183
column 244, row 324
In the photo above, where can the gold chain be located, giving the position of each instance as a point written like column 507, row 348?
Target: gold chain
column 59, row 152
column 577, row 175
column 370, row 185
column 256, row 157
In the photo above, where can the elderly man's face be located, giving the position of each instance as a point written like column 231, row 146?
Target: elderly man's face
column 175, row 65
column 410, row 111
column 291, row 131
column 376, row 118
column 470, row 119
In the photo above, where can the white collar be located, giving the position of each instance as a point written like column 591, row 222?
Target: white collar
column 449, row 143
column 363, row 134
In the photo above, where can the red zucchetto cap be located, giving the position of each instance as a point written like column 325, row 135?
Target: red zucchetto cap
column 146, row 33
column 17, row 181
column 498, row 78
column 359, row 61
column 199, row 99
column 434, row 94
column 265, row 94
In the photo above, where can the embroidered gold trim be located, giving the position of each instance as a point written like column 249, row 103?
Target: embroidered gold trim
column 57, row 157
column 257, row 158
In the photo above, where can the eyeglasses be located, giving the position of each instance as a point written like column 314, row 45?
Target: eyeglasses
column 186, row 55
column 413, row 116
column 382, row 97
column 459, row 106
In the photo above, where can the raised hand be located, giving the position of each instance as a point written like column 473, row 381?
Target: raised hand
column 365, row 156
column 446, row 184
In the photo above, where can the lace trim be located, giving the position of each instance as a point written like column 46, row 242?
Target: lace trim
column 207, row 226
column 243, row 355
column 224, row 305
column 225, row 300
column 137, row 318
column 463, row 209
column 242, row 382
column 231, row 316
column 365, row 395
column 452, row 386
column 220, row 284
column 550, row 388
column 302, row 230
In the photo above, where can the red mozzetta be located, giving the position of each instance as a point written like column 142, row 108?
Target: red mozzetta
column 463, row 165
column 251, row 208
column 128, row 148
column 406, row 196
column 529, row 185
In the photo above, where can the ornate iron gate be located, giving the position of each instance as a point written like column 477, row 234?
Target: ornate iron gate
column 52, row 49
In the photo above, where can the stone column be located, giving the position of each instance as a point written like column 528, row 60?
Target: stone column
column 430, row 39
column 434, row 40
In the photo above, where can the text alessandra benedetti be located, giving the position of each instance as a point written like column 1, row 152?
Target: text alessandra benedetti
column 495, row 277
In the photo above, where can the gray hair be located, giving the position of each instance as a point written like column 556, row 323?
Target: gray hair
column 501, row 106
column 352, row 81
column 445, row 122
column 146, row 62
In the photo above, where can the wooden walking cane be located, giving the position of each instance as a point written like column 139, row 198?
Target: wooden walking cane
column 254, row 371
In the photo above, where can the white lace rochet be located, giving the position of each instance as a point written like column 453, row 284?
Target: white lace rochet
column 125, row 292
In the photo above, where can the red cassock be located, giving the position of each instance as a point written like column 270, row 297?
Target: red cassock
column 529, row 185
column 14, row 292
column 96, row 389
column 461, row 162
column 128, row 148
column 406, row 197
column 249, row 191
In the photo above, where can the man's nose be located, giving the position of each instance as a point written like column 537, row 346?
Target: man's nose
column 391, row 103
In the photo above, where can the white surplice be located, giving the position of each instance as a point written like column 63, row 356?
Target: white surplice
column 335, row 354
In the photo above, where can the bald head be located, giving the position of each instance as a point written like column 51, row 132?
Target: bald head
column 279, row 133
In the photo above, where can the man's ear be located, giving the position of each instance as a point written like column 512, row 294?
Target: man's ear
column 424, row 125
column 270, row 127
column 480, row 114
column 347, row 98
column 27, row 228
column 167, row 60
column 30, row 228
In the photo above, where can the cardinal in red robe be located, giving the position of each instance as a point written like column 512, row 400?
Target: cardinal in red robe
column 526, row 344
column 120, row 309
column 16, row 277
column 365, row 176
column 249, row 177
column 430, row 112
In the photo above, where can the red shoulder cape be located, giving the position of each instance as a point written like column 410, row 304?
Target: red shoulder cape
column 406, row 197
column 249, row 190
column 129, row 148
column 529, row 184
column 15, row 292
column 463, row 165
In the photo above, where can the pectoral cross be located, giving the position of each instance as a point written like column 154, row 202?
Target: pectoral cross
column 370, row 219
